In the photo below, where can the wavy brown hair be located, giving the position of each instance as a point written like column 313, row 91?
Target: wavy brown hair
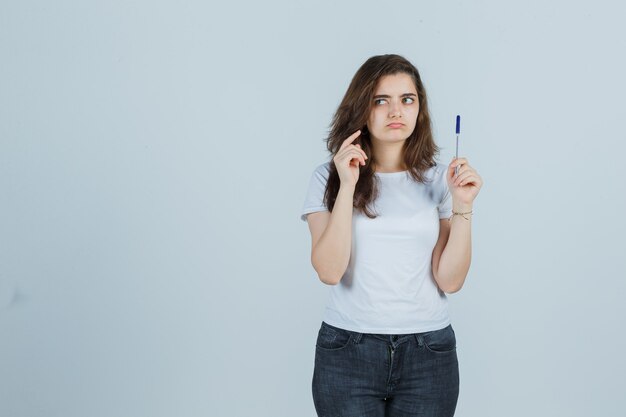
column 419, row 149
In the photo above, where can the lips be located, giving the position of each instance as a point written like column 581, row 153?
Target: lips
column 396, row 125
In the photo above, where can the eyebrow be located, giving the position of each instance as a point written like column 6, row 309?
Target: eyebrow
column 388, row 96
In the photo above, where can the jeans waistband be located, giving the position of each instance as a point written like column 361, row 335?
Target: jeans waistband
column 394, row 339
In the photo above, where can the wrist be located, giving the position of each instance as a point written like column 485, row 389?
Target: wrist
column 346, row 189
column 461, row 207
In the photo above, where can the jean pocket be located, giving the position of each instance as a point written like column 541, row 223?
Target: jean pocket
column 441, row 341
column 332, row 338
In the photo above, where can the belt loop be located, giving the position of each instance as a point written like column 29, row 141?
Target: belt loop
column 420, row 339
column 356, row 337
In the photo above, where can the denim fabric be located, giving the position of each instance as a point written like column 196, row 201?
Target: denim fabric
column 376, row 375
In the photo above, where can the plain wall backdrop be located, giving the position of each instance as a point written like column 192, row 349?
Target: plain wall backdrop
column 154, row 158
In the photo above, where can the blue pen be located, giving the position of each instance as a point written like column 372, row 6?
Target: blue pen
column 458, row 130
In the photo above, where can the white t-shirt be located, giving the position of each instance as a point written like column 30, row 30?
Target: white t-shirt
column 388, row 286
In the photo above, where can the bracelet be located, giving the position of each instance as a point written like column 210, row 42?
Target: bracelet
column 460, row 214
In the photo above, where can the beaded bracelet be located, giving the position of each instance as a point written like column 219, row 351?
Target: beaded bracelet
column 460, row 214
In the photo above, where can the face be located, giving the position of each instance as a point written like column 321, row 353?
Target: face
column 395, row 101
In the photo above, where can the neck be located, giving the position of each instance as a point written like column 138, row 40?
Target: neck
column 388, row 156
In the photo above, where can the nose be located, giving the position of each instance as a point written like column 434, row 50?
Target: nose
column 394, row 110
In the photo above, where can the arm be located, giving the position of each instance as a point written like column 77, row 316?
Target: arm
column 453, row 251
column 332, row 238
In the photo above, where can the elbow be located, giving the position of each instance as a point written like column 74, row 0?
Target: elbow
column 329, row 280
column 448, row 281
column 452, row 289
column 447, row 286
column 327, row 277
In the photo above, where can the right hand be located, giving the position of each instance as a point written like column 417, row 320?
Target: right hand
column 348, row 159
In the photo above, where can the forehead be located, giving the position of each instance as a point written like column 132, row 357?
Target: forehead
column 395, row 84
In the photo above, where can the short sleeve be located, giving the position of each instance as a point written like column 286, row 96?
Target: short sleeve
column 445, row 204
column 314, row 200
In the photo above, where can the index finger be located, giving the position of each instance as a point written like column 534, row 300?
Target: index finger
column 458, row 161
column 350, row 138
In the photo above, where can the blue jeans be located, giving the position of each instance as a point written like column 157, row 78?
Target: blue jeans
column 376, row 375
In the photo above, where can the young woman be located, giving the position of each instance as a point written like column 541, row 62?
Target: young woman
column 390, row 231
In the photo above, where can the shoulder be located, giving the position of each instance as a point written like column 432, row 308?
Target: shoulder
column 323, row 168
column 322, row 171
column 441, row 169
column 437, row 172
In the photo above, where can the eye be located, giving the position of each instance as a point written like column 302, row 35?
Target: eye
column 405, row 98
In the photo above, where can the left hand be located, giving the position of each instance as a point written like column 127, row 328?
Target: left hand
column 465, row 185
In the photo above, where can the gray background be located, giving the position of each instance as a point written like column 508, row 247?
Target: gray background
column 154, row 159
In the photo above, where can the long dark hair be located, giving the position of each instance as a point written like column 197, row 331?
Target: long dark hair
column 419, row 149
